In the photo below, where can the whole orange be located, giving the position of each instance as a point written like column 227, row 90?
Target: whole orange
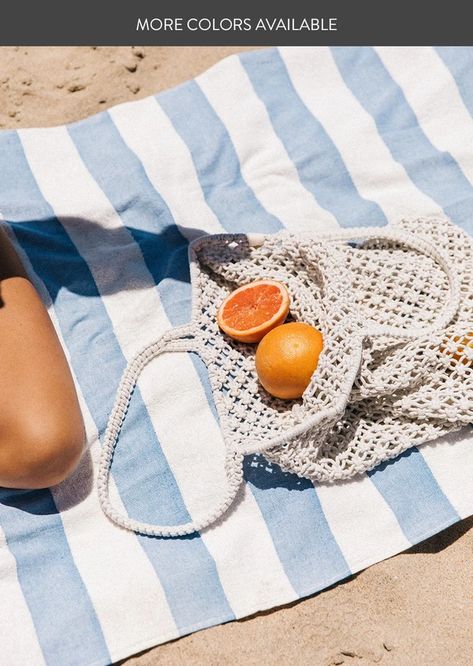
column 286, row 359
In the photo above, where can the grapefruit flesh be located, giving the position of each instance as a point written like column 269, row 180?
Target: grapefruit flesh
column 249, row 312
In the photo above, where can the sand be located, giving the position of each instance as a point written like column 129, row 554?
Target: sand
column 414, row 609
column 43, row 86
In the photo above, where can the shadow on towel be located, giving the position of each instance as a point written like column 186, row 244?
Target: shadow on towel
column 57, row 261
column 263, row 474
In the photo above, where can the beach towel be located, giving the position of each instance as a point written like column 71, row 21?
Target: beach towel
column 102, row 212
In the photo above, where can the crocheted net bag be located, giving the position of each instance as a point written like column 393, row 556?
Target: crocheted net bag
column 395, row 307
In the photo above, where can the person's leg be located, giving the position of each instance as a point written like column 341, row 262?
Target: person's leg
column 41, row 429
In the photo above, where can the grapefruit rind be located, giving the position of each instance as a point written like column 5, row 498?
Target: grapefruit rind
column 255, row 333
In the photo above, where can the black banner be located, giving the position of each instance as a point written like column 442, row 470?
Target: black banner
column 258, row 23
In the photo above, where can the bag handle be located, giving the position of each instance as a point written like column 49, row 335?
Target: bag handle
column 179, row 339
column 423, row 246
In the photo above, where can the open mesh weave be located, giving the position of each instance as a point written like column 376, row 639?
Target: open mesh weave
column 399, row 393
column 395, row 308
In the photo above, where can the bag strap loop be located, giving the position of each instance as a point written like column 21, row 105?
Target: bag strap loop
column 177, row 340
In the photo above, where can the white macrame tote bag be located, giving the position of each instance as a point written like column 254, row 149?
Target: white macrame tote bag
column 395, row 307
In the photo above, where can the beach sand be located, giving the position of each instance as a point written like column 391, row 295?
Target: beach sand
column 414, row 609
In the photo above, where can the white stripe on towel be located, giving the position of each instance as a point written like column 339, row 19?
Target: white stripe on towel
column 377, row 176
column 149, row 133
column 433, row 96
column 19, row 641
column 362, row 523
column 451, row 462
column 278, row 189
column 254, row 572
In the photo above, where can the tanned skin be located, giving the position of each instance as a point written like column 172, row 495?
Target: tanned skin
column 41, row 428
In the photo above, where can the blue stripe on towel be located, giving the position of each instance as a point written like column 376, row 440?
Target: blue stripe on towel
column 433, row 171
column 89, row 337
column 302, row 537
column 24, row 514
column 410, row 489
column 319, row 164
column 215, row 160
column 120, row 174
column 460, row 63
column 62, row 612
column 119, row 188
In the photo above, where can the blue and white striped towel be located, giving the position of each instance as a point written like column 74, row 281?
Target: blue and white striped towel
column 102, row 211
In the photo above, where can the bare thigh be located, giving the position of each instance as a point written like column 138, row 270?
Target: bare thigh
column 41, row 429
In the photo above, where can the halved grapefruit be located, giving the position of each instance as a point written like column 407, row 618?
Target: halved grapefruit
column 249, row 312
